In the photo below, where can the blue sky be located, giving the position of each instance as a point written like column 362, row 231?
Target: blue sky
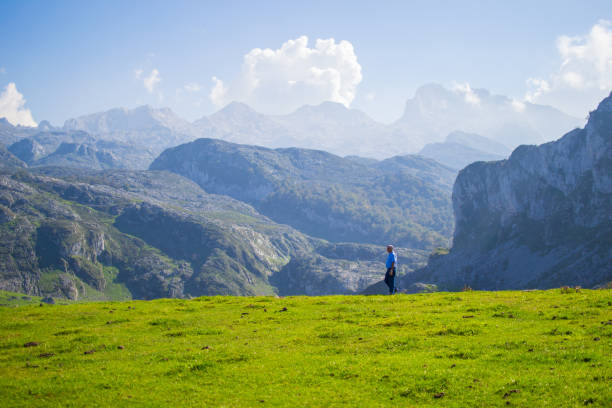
column 69, row 58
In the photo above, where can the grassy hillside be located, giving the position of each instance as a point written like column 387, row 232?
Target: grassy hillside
column 448, row 349
column 405, row 199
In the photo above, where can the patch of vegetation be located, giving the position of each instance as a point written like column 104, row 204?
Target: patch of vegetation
column 17, row 299
column 439, row 251
column 311, row 351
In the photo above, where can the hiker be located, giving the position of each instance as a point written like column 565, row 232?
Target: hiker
column 391, row 270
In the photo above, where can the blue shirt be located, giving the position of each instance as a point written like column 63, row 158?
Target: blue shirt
column 391, row 258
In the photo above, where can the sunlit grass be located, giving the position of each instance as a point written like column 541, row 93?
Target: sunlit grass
column 539, row 348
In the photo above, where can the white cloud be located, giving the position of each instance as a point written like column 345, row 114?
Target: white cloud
column 218, row 93
column 517, row 105
column 468, row 93
column 192, row 87
column 2, row 70
column 281, row 80
column 12, row 107
column 573, row 79
column 584, row 76
column 150, row 81
column 539, row 86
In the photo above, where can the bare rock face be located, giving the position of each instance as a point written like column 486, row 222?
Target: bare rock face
column 8, row 160
column 540, row 219
column 27, row 150
column 316, row 275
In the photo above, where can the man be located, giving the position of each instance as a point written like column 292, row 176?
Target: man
column 391, row 270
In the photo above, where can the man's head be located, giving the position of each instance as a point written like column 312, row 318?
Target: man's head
column 389, row 248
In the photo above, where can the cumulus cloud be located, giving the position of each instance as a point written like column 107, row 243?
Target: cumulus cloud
column 539, row 87
column 218, row 93
column 12, row 107
column 584, row 76
column 281, row 80
column 468, row 93
column 517, row 105
column 192, row 87
column 149, row 81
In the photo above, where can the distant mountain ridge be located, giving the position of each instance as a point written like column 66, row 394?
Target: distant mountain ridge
column 429, row 117
column 460, row 149
column 144, row 127
column 404, row 199
column 540, row 219
column 328, row 126
column 76, row 148
column 435, row 111
column 123, row 119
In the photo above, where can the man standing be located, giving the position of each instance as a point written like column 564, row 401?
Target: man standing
column 391, row 270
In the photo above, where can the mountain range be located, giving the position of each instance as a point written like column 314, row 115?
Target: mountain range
column 80, row 217
column 133, row 138
column 429, row 117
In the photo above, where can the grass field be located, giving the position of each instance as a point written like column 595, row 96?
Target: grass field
column 529, row 349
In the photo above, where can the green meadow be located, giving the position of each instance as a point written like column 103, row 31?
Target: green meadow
column 483, row 349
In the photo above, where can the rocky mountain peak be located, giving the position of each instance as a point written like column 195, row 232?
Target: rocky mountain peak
column 44, row 125
column 237, row 108
column 124, row 119
column 600, row 120
column 605, row 105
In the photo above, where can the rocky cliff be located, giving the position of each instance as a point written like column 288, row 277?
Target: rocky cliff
column 542, row 218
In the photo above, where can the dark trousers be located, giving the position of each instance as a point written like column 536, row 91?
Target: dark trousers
column 390, row 280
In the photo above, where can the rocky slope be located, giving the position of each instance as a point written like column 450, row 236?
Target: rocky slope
column 541, row 219
column 405, row 200
column 8, row 160
column 118, row 234
column 46, row 146
column 80, row 155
